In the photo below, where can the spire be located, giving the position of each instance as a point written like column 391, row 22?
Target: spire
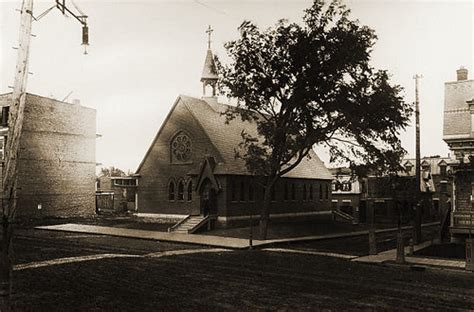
column 209, row 72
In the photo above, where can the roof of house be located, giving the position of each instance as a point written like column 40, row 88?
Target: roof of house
column 432, row 162
column 227, row 136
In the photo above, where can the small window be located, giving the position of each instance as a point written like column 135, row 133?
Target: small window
column 285, row 193
column 311, row 192
column 5, row 112
column 334, row 186
column 293, row 191
column 320, row 191
column 327, row 191
column 242, row 191
column 171, row 191
column 233, row 191
column 346, row 187
column 190, row 190
column 442, row 170
column 251, row 197
column 180, row 190
column 304, row 192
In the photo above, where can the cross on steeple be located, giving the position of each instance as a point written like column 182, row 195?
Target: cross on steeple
column 209, row 32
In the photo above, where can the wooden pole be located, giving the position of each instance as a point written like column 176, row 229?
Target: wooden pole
column 417, row 220
column 10, row 170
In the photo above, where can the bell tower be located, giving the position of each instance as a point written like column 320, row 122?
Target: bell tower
column 209, row 72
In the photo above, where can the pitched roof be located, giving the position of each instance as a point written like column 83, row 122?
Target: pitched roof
column 226, row 137
column 209, row 71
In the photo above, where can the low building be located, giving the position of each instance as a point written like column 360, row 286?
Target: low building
column 56, row 166
column 458, row 133
column 116, row 195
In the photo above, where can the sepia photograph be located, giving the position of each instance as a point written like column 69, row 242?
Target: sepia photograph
column 237, row 155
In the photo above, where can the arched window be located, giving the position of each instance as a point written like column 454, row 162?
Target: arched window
column 180, row 190
column 171, row 190
column 190, row 190
column 181, row 148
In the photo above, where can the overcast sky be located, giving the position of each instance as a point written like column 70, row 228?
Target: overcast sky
column 143, row 54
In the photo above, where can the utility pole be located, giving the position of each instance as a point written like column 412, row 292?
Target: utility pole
column 12, row 146
column 417, row 221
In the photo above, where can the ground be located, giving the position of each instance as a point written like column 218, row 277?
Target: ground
column 220, row 280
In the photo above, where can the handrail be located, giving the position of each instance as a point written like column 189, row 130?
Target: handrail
column 199, row 225
column 343, row 214
column 170, row 229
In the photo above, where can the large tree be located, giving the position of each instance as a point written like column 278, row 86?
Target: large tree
column 308, row 84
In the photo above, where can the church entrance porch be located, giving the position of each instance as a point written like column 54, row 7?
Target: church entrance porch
column 208, row 204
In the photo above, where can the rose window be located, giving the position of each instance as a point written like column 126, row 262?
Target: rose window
column 181, row 147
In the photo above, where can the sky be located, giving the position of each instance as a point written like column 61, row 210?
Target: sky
column 143, row 54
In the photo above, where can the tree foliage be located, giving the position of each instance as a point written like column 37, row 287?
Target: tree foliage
column 313, row 84
column 111, row 172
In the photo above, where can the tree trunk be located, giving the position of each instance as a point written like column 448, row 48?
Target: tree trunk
column 265, row 211
column 6, row 265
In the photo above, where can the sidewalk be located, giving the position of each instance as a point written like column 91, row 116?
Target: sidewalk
column 390, row 255
column 206, row 240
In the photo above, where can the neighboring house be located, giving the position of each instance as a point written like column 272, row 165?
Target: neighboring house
column 56, row 168
column 191, row 169
column 392, row 198
column 346, row 192
column 458, row 133
column 116, row 194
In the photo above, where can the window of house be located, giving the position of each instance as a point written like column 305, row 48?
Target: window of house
column 285, row 192
column 442, row 170
column 304, row 192
column 311, row 192
column 181, row 148
column 334, row 186
column 251, row 197
column 320, row 191
column 171, row 190
column 233, row 191
column 5, row 112
column 242, row 191
column 327, row 191
column 443, row 187
column 293, row 191
column 190, row 190
column 180, row 190
column 346, row 187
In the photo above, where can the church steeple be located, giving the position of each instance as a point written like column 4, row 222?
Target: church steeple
column 209, row 72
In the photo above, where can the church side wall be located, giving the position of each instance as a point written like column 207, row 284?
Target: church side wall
column 239, row 206
column 158, row 169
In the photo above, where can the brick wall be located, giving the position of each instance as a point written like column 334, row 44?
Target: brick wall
column 457, row 117
column 57, row 158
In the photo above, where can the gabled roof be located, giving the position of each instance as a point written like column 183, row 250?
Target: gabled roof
column 226, row 138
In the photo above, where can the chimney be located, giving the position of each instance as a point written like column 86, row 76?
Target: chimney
column 462, row 73
column 76, row 102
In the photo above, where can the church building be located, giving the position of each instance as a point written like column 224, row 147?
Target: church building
column 190, row 169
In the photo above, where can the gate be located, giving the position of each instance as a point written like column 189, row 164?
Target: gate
column 104, row 202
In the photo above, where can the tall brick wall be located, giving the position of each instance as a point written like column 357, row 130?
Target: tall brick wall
column 57, row 159
column 157, row 168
